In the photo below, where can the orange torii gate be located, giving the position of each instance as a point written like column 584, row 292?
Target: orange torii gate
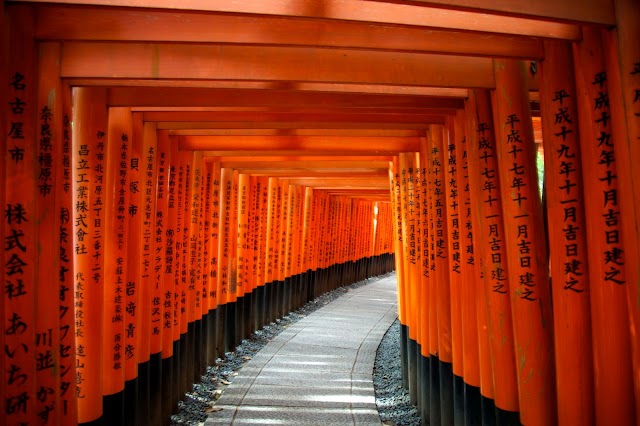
column 173, row 191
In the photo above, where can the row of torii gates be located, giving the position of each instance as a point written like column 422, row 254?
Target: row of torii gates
column 175, row 176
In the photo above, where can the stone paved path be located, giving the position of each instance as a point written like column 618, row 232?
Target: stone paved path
column 319, row 370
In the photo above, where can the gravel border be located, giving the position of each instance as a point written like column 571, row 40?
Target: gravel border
column 392, row 398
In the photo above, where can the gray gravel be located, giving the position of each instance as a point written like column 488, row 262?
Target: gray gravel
column 391, row 397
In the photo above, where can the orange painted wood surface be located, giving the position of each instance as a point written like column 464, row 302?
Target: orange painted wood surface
column 567, row 242
column 526, row 252
column 89, row 134
column 613, row 383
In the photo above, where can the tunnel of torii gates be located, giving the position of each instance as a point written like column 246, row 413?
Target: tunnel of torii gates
column 173, row 180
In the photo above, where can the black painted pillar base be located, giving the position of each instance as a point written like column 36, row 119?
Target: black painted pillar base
column 488, row 411
column 458, row 400
column 472, row 406
column 424, row 383
column 113, row 409
column 167, row 390
column 221, row 323
column 196, row 341
column 191, row 354
column 240, row 320
column 182, row 376
column 130, row 402
column 230, row 327
column 250, row 315
column 434, row 390
column 404, row 359
column 144, row 408
column 446, row 393
column 507, row 418
column 212, row 337
column 412, row 353
column 175, row 376
column 155, row 390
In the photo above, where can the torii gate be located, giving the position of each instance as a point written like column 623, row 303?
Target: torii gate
column 176, row 175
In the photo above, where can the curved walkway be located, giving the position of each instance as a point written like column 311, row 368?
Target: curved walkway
column 319, row 370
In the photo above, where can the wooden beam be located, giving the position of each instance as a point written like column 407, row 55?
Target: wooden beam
column 217, row 155
column 204, row 120
column 594, row 11
column 305, row 86
column 265, row 156
column 316, row 173
column 197, row 61
column 316, row 143
column 70, row 23
column 314, row 164
column 197, row 99
column 285, row 126
column 298, row 132
column 378, row 12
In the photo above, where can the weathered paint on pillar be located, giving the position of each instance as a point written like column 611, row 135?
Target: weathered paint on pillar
column 566, row 233
column 526, row 249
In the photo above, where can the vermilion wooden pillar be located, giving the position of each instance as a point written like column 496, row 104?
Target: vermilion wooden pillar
column 194, row 296
column 165, row 224
column 567, row 230
column 226, row 187
column 20, row 216
column 131, row 295
column 526, row 247
column 623, row 67
column 437, row 146
column 64, row 206
column 214, row 255
column 116, row 203
column 89, row 136
column 425, row 283
column 453, row 208
column 613, row 381
column 48, row 192
column 396, row 199
column 497, row 373
column 469, row 280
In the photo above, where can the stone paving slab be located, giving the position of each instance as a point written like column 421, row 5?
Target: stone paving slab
column 319, row 371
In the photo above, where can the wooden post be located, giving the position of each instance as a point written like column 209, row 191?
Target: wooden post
column 90, row 125
column 49, row 159
column 567, row 243
column 20, row 216
column 226, row 187
column 436, row 143
column 453, row 208
column 469, row 280
column 526, row 250
column 115, row 259
column 64, row 224
column 494, row 306
column 623, row 68
column 613, row 381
